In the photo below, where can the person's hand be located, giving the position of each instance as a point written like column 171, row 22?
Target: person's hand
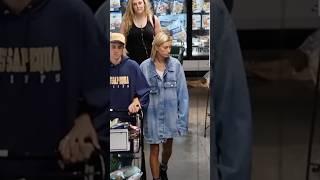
column 135, row 106
column 80, row 142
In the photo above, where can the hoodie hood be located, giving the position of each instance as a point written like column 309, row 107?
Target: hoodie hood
column 123, row 60
column 28, row 12
column 32, row 7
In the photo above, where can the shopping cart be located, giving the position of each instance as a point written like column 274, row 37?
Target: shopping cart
column 122, row 143
column 92, row 169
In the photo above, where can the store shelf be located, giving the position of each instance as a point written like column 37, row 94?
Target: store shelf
column 196, row 65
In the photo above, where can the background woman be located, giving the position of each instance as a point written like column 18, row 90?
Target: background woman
column 139, row 26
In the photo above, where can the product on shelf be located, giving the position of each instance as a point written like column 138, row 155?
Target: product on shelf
column 165, row 20
column 206, row 21
column 115, row 21
column 177, row 27
column 197, row 6
column 176, row 24
column 195, row 41
column 114, row 4
column 162, row 7
column 196, row 21
column 200, row 45
column 205, row 41
column 177, row 7
column 206, row 7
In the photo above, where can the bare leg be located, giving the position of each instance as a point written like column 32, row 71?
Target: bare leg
column 167, row 151
column 154, row 160
column 166, row 154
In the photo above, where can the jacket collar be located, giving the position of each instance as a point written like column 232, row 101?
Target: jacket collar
column 169, row 67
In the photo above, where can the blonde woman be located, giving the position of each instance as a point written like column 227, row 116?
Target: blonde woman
column 167, row 114
column 139, row 26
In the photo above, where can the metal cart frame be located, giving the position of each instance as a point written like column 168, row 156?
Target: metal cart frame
column 137, row 121
column 78, row 171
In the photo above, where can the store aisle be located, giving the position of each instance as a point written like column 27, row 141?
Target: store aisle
column 282, row 103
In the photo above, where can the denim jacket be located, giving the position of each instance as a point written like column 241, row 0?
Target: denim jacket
column 168, row 110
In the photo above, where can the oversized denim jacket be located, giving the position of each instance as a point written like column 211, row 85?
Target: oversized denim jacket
column 168, row 110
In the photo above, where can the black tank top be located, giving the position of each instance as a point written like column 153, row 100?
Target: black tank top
column 139, row 42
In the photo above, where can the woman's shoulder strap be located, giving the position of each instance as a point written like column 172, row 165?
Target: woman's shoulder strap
column 153, row 21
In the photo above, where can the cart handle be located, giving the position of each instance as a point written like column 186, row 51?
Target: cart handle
column 139, row 113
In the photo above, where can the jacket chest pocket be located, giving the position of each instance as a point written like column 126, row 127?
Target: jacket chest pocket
column 170, row 89
column 170, row 84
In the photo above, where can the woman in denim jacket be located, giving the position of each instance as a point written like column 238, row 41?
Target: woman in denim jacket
column 167, row 114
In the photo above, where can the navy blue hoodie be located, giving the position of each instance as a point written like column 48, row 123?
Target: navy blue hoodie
column 101, row 16
column 127, row 82
column 52, row 61
column 231, row 135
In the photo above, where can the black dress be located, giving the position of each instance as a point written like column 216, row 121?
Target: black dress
column 139, row 42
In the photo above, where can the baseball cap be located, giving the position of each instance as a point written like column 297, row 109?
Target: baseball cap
column 117, row 37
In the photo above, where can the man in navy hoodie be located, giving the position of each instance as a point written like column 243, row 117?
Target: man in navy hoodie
column 129, row 88
column 53, row 79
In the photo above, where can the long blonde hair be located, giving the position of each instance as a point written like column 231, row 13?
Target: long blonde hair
column 159, row 39
column 129, row 14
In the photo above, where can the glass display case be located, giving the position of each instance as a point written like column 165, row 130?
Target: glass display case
column 117, row 9
column 173, row 17
column 200, row 27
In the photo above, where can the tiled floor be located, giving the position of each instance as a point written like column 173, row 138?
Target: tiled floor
column 282, row 111
column 282, row 114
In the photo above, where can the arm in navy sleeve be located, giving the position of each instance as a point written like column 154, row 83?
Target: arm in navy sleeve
column 232, row 130
column 94, row 73
column 91, row 83
column 142, row 88
column 102, row 18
